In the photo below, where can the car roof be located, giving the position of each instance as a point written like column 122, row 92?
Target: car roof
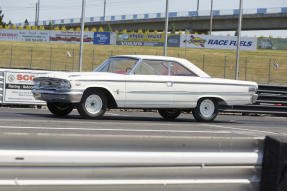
column 185, row 62
column 151, row 57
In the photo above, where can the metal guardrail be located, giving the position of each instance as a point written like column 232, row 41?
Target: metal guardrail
column 135, row 163
column 272, row 100
column 1, row 86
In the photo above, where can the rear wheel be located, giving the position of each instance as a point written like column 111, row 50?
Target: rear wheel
column 206, row 110
column 60, row 109
column 169, row 114
column 93, row 104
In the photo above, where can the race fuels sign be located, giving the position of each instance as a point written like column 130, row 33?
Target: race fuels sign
column 217, row 42
column 18, row 87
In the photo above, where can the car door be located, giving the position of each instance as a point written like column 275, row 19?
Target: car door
column 149, row 86
column 185, row 86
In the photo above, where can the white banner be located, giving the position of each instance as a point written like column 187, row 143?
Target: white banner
column 18, row 88
column 71, row 37
column 113, row 40
column 11, row 35
column 34, row 35
column 216, row 42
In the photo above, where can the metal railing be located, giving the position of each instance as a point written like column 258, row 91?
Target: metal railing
column 1, row 86
column 134, row 162
column 272, row 100
column 282, row 10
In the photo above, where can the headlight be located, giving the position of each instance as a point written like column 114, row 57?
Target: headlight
column 252, row 89
column 64, row 84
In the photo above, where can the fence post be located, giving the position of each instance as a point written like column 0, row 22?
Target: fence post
column 225, row 62
column 93, row 61
column 111, row 52
column 51, row 55
column 246, row 62
column 203, row 62
column 31, row 61
column 73, row 67
column 11, row 57
column 269, row 71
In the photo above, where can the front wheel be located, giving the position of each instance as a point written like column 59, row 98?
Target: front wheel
column 206, row 110
column 169, row 114
column 60, row 109
column 93, row 104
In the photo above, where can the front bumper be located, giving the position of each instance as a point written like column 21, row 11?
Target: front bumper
column 58, row 96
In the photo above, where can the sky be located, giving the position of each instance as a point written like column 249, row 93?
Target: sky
column 18, row 10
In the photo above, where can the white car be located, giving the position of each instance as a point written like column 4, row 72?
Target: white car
column 170, row 85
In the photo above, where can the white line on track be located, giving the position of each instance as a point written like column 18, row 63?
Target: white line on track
column 248, row 130
column 123, row 130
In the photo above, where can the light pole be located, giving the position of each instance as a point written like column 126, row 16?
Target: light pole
column 105, row 5
column 82, row 34
column 38, row 15
column 211, row 18
column 166, row 28
column 238, row 39
column 197, row 7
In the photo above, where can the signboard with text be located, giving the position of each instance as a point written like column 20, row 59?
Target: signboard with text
column 216, row 42
column 18, row 88
column 102, row 38
column 71, row 37
column 146, row 39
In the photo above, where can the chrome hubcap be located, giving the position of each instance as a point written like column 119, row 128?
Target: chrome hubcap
column 207, row 108
column 93, row 104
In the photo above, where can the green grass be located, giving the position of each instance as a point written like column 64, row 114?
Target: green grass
column 257, row 68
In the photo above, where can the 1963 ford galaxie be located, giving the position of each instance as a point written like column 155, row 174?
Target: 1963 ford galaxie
column 170, row 85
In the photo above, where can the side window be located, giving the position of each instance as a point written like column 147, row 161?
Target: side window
column 179, row 70
column 152, row 67
column 119, row 65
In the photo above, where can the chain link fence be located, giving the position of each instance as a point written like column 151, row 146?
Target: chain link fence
column 262, row 66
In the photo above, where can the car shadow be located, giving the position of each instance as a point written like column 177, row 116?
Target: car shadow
column 121, row 118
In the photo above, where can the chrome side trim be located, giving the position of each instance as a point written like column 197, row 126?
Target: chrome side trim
column 148, row 81
column 190, row 93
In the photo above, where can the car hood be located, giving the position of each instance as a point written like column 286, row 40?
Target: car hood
column 75, row 75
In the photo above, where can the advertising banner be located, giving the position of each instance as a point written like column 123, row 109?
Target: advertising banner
column 146, row 39
column 10, row 35
column 34, row 35
column 217, row 42
column 272, row 43
column 18, row 88
column 102, row 38
column 71, row 37
column 113, row 40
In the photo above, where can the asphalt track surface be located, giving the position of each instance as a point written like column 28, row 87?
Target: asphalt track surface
column 36, row 122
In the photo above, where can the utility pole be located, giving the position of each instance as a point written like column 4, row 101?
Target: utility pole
column 82, row 34
column 238, row 39
column 105, row 5
column 36, row 14
column 38, row 17
column 166, row 28
column 211, row 18
column 197, row 7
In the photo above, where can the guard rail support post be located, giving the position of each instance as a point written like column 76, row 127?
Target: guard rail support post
column 274, row 168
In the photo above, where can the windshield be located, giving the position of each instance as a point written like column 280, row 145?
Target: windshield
column 117, row 65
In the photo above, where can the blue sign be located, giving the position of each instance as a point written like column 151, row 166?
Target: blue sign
column 102, row 38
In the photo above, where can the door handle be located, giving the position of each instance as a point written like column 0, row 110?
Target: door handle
column 169, row 84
